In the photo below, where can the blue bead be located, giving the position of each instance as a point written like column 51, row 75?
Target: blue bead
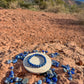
column 68, row 67
column 69, row 72
column 11, row 73
column 36, row 50
column 47, row 80
column 54, row 83
column 11, row 81
column 56, row 54
column 54, row 79
column 14, row 61
column 25, row 81
column 21, row 57
column 17, row 57
column 70, row 78
column 73, row 69
column 20, row 79
column 43, row 51
column 18, row 82
column 35, row 83
column 9, row 61
column 57, row 64
column 72, row 72
column 55, row 75
column 7, row 80
column 40, row 82
column 53, row 69
column 11, row 76
column 52, row 55
column 70, row 75
column 16, row 79
column 25, row 52
column 50, row 82
column 46, row 51
column 64, row 66
column 12, row 67
column 21, row 54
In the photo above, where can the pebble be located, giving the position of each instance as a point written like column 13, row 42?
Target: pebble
column 65, row 70
column 54, row 79
column 39, row 81
column 9, row 61
column 16, row 79
column 25, row 81
column 73, row 69
column 14, row 61
column 47, row 80
column 12, row 67
column 72, row 72
column 70, row 78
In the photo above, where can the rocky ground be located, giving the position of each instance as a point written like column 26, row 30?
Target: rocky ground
column 25, row 30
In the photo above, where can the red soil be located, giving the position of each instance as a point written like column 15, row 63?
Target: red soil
column 23, row 30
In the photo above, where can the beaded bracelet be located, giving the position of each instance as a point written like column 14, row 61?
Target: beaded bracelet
column 34, row 65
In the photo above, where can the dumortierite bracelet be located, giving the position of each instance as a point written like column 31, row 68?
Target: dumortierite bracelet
column 34, row 65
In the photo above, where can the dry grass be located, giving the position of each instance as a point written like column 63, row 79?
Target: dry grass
column 14, row 4
column 81, row 17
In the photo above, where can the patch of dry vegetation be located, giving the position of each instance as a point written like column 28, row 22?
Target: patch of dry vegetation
column 81, row 16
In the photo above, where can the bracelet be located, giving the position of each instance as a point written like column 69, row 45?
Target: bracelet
column 34, row 65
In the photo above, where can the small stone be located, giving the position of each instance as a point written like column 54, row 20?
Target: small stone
column 14, row 61
column 11, row 73
column 54, row 79
column 40, row 82
column 70, row 78
column 44, row 79
column 64, row 66
column 68, row 67
column 11, row 81
column 72, row 72
column 11, row 76
column 65, row 70
column 79, row 63
column 46, row 51
column 25, row 81
column 53, row 69
column 73, row 69
column 7, row 80
column 69, row 72
column 47, row 80
column 16, row 79
column 9, row 61
column 12, row 67
column 56, row 54
column 17, row 57
column 36, row 83
column 43, row 51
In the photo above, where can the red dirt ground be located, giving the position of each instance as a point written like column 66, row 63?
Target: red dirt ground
column 23, row 30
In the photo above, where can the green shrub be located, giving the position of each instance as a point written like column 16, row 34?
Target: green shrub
column 3, row 3
column 74, row 8
column 43, row 5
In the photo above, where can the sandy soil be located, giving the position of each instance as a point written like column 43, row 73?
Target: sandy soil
column 24, row 30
